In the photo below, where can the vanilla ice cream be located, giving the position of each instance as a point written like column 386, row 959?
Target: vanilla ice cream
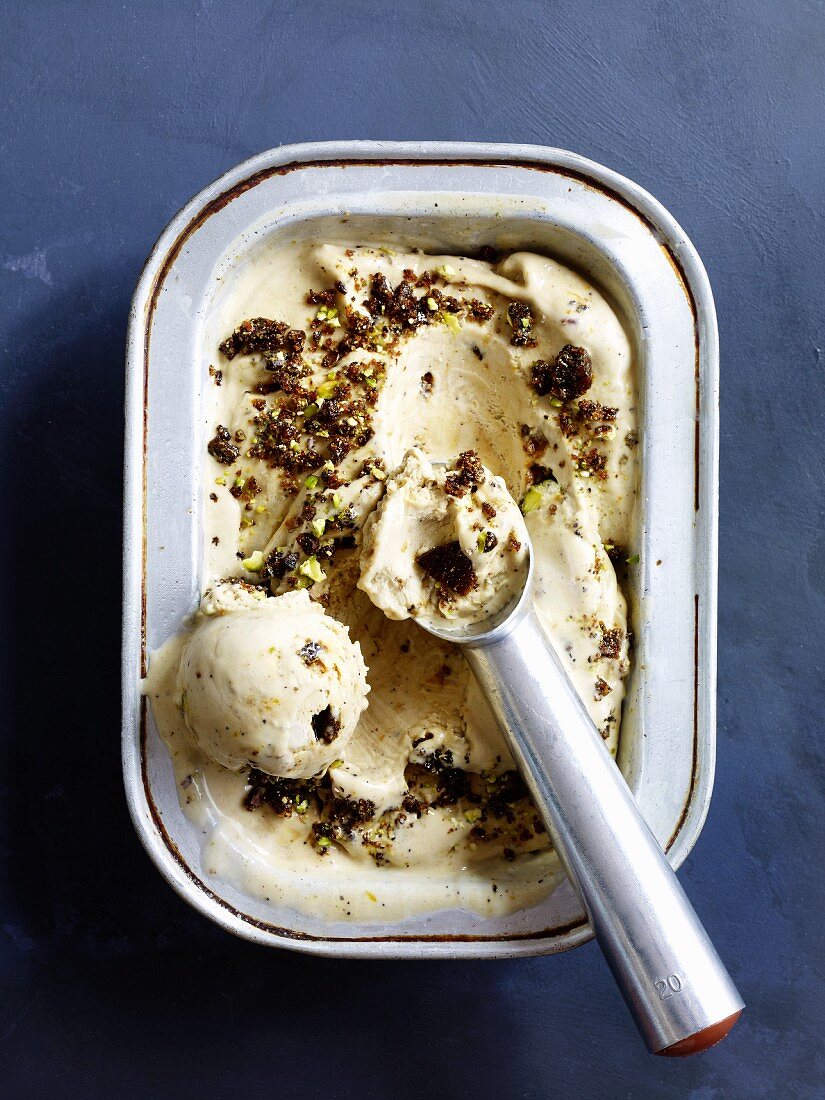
column 273, row 683
column 336, row 374
column 446, row 542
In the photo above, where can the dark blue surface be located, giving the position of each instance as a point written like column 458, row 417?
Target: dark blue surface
column 112, row 116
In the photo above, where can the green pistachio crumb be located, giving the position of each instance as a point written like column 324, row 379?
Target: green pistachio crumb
column 254, row 562
column 311, row 568
column 532, row 499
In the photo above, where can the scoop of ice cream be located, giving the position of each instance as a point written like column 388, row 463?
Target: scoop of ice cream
column 445, row 542
column 275, row 683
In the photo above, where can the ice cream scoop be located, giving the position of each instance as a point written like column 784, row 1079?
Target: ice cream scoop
column 677, row 988
column 276, row 684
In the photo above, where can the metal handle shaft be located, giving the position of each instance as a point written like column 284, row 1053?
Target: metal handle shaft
column 675, row 984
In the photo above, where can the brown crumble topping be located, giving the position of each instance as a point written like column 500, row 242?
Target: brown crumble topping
column 467, row 475
column 611, row 642
column 450, row 567
column 593, row 411
column 521, row 318
column 325, row 726
column 534, row 443
column 593, row 463
column 568, row 376
column 602, row 688
column 222, row 448
column 245, row 489
column 478, row 311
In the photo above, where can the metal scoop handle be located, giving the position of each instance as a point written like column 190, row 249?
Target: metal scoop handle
column 675, row 984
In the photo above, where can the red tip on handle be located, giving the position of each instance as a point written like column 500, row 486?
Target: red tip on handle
column 703, row 1040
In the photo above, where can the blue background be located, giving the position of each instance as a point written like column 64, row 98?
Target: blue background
column 112, row 116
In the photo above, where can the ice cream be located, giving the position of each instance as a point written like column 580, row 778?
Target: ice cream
column 446, row 542
column 275, row 684
column 336, row 374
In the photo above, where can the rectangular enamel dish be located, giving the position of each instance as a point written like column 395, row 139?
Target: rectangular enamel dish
column 453, row 198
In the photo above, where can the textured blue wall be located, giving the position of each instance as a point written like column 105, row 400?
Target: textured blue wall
column 112, row 116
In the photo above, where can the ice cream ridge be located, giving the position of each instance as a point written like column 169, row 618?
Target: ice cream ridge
column 388, row 433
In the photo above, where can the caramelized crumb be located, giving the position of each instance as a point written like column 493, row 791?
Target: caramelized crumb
column 568, row 376
column 521, row 318
column 222, row 448
column 450, row 566
column 610, row 645
column 325, row 726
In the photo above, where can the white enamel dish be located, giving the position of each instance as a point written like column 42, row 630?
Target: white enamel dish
column 453, row 198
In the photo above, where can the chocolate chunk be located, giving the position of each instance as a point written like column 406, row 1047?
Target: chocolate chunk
column 450, row 566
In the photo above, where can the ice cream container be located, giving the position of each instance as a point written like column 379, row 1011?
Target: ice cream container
column 444, row 198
